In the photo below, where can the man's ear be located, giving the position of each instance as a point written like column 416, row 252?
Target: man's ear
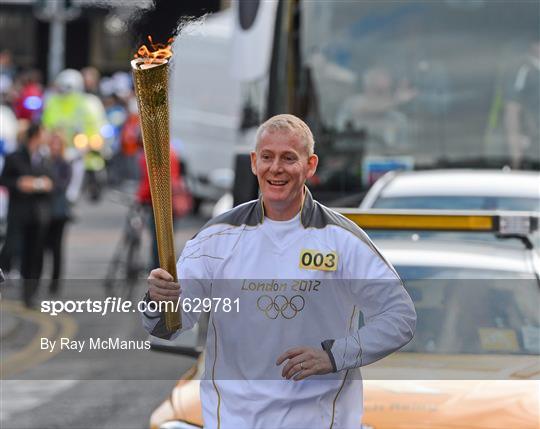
column 253, row 157
column 313, row 161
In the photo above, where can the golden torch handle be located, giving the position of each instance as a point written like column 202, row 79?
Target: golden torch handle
column 151, row 88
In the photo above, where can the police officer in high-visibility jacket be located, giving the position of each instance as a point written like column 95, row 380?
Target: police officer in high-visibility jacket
column 80, row 117
column 285, row 279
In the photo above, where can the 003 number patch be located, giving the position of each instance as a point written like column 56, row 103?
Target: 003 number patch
column 315, row 260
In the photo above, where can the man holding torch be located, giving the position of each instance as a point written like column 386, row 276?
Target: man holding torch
column 287, row 354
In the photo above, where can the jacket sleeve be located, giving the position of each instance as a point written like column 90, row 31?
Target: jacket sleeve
column 388, row 312
column 195, row 283
column 10, row 175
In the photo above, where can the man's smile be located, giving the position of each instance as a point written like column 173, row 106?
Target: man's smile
column 278, row 182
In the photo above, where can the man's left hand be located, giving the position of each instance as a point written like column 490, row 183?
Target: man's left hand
column 304, row 362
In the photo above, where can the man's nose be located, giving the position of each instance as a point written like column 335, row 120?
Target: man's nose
column 276, row 166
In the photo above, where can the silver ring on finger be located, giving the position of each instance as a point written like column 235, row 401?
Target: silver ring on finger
column 302, row 366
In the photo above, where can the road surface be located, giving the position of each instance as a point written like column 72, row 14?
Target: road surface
column 44, row 387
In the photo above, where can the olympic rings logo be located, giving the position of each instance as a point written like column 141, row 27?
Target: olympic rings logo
column 280, row 304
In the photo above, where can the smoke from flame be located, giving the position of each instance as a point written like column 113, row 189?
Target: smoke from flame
column 156, row 53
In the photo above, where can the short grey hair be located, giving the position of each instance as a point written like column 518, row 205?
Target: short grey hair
column 291, row 124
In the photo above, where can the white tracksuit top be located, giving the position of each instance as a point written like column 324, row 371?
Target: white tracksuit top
column 284, row 304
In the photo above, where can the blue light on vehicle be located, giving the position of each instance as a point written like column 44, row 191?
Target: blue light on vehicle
column 32, row 102
column 107, row 131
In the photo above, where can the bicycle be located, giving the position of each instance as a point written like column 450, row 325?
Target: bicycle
column 127, row 263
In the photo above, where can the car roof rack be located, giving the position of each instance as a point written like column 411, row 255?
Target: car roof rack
column 504, row 224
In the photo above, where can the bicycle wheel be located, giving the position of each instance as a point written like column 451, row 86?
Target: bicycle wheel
column 113, row 277
column 133, row 266
column 116, row 271
column 126, row 265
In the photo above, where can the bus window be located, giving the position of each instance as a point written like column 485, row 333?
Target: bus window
column 418, row 84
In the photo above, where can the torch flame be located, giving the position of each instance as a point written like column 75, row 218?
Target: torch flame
column 156, row 53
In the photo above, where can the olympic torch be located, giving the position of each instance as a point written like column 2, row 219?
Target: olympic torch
column 150, row 76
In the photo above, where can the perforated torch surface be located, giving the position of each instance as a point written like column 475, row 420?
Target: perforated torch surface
column 151, row 87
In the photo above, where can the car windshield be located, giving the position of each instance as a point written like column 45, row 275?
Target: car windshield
column 404, row 85
column 473, row 311
column 458, row 203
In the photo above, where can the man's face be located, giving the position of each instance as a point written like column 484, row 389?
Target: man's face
column 56, row 146
column 282, row 165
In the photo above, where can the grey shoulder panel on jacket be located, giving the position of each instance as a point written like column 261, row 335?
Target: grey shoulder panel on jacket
column 321, row 216
column 249, row 214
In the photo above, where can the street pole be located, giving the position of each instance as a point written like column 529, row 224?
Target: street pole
column 57, row 40
column 57, row 14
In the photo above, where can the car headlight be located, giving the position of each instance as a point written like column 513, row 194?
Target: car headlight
column 177, row 424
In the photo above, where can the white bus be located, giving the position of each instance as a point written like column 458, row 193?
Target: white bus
column 205, row 104
column 400, row 85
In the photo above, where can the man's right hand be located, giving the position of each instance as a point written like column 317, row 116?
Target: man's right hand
column 162, row 287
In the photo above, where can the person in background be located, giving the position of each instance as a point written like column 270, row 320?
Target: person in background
column 60, row 210
column 28, row 177
column 144, row 196
column 29, row 102
column 116, row 116
column 91, row 77
column 75, row 113
column 8, row 121
column 7, row 68
column 117, row 92
column 9, row 127
column 375, row 110
column 8, row 143
column 130, row 136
